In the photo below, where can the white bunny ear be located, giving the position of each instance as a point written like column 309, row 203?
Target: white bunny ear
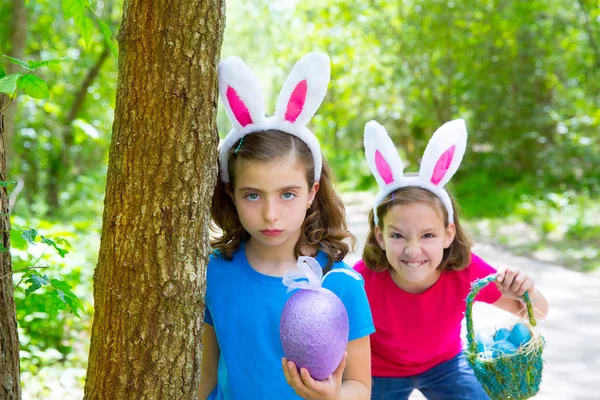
column 241, row 93
column 382, row 156
column 444, row 153
column 304, row 89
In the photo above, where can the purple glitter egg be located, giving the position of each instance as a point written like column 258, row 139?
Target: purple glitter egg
column 314, row 331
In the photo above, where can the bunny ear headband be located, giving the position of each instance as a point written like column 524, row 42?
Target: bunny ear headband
column 441, row 159
column 301, row 95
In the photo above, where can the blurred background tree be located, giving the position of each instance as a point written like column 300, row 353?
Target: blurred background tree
column 524, row 75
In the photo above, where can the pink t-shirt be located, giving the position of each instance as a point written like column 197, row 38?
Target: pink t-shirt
column 415, row 332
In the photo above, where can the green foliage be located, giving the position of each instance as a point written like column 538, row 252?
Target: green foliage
column 30, row 84
column 8, row 84
column 58, row 290
column 76, row 9
column 6, row 184
column 48, row 289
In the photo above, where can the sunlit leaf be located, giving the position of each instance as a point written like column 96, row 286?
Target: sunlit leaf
column 17, row 240
column 62, row 252
column 37, row 64
column 29, row 235
column 107, row 33
column 17, row 61
column 76, row 10
column 8, row 84
column 33, row 86
column 35, row 281
column 63, row 291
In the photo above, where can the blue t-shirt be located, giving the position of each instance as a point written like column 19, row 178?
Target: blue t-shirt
column 245, row 306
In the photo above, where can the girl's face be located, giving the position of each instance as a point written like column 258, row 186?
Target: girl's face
column 414, row 239
column 272, row 199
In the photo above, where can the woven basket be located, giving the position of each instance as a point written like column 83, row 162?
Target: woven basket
column 511, row 376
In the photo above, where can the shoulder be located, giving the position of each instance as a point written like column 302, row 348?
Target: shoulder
column 343, row 280
column 367, row 274
column 218, row 265
column 361, row 267
column 216, row 258
column 479, row 268
column 343, row 270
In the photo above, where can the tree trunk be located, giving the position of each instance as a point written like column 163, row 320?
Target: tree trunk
column 149, row 283
column 9, row 341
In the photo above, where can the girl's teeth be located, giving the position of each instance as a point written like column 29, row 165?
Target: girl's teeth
column 414, row 265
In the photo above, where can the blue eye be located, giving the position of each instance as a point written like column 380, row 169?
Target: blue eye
column 428, row 235
column 251, row 196
column 288, row 195
column 396, row 236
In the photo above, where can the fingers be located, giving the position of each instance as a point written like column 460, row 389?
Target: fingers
column 513, row 280
column 307, row 379
column 301, row 382
column 291, row 374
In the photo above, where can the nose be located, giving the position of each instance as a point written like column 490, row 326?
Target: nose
column 271, row 210
column 412, row 250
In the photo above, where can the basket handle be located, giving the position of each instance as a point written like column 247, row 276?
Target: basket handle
column 475, row 288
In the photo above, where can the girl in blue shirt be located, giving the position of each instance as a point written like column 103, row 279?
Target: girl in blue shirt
column 273, row 203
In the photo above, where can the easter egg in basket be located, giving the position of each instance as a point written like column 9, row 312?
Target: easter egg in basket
column 520, row 335
column 314, row 323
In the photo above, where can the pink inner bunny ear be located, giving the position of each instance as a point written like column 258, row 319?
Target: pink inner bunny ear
column 442, row 165
column 383, row 168
column 296, row 103
column 239, row 109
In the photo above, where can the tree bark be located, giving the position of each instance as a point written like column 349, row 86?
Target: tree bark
column 149, row 283
column 10, row 388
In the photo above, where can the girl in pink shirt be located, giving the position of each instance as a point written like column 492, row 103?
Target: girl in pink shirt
column 418, row 268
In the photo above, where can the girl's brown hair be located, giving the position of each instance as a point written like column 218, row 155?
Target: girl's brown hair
column 456, row 257
column 325, row 224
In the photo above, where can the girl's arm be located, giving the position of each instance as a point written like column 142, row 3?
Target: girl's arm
column 210, row 362
column 356, row 381
column 513, row 283
column 350, row 381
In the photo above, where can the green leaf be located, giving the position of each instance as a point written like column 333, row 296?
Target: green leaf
column 50, row 242
column 62, row 241
column 87, row 28
column 33, row 86
column 35, row 281
column 2, row 248
column 18, row 62
column 2, row 72
column 8, row 84
column 107, row 33
column 16, row 240
column 5, row 184
column 63, row 292
column 76, row 9
column 29, row 235
column 37, row 64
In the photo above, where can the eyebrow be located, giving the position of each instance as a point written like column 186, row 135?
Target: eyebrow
column 429, row 229
column 283, row 189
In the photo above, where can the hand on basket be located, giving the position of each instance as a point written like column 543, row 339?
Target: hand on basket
column 513, row 282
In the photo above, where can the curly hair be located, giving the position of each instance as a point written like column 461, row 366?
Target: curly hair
column 456, row 257
column 325, row 224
